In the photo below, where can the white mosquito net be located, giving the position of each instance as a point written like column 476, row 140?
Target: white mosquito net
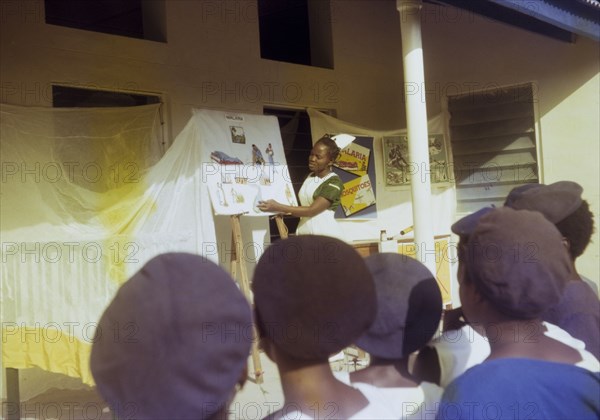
column 87, row 197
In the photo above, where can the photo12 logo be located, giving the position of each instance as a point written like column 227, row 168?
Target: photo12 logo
column 253, row 92
column 73, row 172
column 54, row 252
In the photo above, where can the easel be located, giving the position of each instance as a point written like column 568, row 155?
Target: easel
column 237, row 259
column 281, row 227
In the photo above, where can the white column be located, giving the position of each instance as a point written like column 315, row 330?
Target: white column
column 416, row 118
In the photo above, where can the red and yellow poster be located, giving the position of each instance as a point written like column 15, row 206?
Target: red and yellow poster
column 356, row 169
column 354, row 158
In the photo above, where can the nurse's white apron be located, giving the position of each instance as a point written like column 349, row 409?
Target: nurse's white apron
column 323, row 223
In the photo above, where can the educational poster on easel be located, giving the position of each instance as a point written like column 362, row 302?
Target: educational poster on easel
column 245, row 161
column 355, row 166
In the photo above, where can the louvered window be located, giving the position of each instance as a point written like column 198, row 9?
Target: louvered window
column 493, row 143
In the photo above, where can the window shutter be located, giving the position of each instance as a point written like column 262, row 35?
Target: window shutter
column 493, row 143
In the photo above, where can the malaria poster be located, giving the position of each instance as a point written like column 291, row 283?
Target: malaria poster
column 356, row 167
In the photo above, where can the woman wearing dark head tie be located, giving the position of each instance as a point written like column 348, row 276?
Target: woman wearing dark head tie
column 319, row 195
column 174, row 342
column 313, row 297
column 512, row 268
column 409, row 308
column 578, row 312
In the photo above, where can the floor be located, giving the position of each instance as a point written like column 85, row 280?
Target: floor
column 253, row 401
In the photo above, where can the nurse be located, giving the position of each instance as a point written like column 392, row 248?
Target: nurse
column 319, row 196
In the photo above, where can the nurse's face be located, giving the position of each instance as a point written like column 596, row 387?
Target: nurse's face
column 319, row 161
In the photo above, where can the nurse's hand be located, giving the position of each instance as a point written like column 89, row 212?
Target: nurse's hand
column 270, row 206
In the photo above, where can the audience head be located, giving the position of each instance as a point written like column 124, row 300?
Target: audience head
column 560, row 203
column 409, row 307
column 465, row 226
column 517, row 192
column 577, row 228
column 174, row 341
column 313, row 297
column 555, row 201
column 515, row 260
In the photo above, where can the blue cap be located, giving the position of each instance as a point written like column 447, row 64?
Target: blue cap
column 174, row 341
column 555, row 201
column 467, row 224
column 409, row 306
column 313, row 296
column 517, row 260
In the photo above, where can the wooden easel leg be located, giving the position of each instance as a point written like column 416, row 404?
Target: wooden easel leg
column 236, row 259
column 283, row 230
